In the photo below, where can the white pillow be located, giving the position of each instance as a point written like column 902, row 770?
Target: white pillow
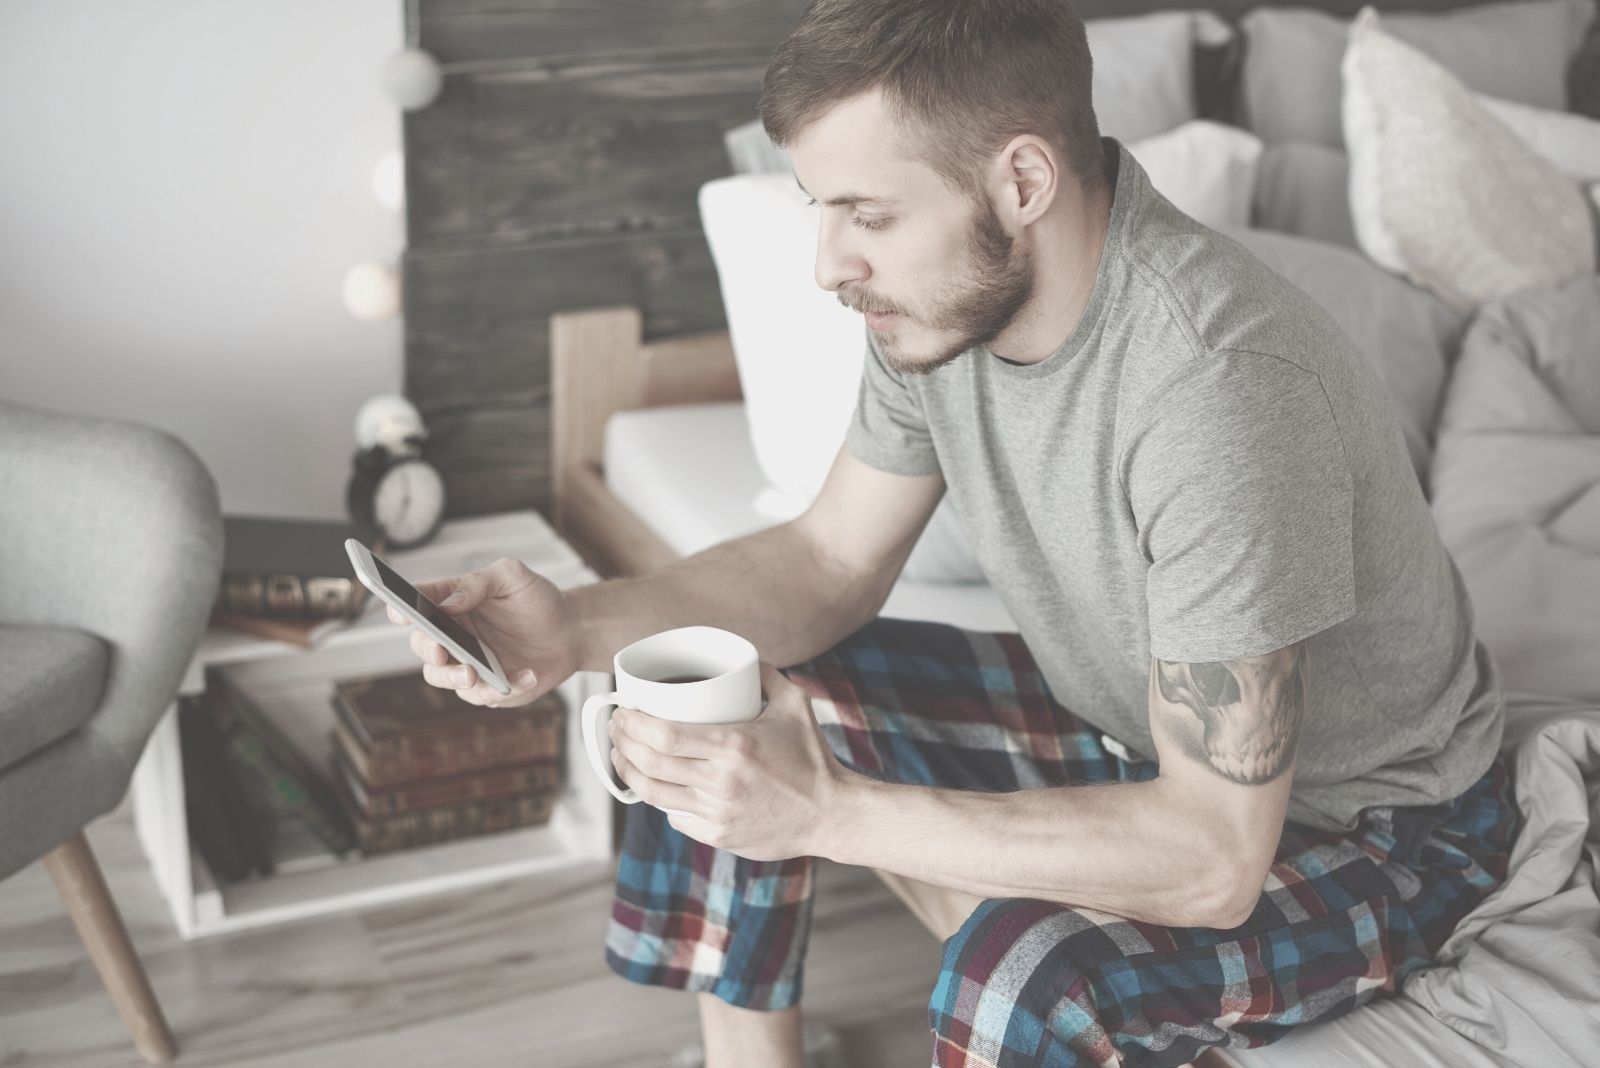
column 1441, row 191
column 799, row 351
column 1205, row 168
column 1570, row 141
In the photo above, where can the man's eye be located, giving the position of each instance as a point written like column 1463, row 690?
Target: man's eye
column 865, row 224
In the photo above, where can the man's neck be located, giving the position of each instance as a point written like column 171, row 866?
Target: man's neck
column 1067, row 259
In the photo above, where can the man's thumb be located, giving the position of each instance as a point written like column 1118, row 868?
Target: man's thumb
column 466, row 595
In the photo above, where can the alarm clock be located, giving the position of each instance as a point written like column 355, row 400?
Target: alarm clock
column 401, row 495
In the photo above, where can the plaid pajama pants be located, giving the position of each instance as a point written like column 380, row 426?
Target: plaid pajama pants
column 1343, row 917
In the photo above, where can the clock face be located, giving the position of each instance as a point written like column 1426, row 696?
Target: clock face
column 409, row 501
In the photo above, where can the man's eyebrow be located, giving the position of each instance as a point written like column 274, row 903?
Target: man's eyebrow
column 851, row 199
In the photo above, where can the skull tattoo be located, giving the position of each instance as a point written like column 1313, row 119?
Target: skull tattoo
column 1249, row 709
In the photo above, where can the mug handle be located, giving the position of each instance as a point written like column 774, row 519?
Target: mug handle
column 599, row 757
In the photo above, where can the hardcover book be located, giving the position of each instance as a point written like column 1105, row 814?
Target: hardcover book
column 539, row 777
column 443, row 823
column 260, row 748
column 225, row 829
column 397, row 727
column 291, row 569
column 406, row 758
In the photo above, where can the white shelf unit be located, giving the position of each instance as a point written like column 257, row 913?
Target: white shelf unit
column 293, row 685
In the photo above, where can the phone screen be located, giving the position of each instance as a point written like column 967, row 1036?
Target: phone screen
column 430, row 611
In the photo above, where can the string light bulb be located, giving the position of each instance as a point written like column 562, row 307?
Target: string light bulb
column 412, row 78
column 389, row 180
column 372, row 291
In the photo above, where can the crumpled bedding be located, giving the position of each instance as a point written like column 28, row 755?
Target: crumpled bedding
column 1520, row 976
column 1515, row 484
column 1516, row 494
column 1517, row 984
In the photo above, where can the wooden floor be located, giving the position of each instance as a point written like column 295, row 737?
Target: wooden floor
column 512, row 974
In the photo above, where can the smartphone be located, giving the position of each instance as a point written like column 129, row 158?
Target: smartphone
column 386, row 582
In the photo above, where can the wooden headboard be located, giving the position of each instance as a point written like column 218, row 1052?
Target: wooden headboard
column 559, row 169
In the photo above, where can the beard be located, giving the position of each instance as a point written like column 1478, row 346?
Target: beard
column 977, row 307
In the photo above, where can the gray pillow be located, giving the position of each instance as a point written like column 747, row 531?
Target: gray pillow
column 1144, row 70
column 1409, row 336
column 1290, row 82
column 1303, row 188
column 1144, row 82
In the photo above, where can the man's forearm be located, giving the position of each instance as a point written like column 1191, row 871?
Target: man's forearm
column 772, row 587
column 1122, row 848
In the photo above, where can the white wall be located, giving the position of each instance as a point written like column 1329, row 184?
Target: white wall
column 183, row 185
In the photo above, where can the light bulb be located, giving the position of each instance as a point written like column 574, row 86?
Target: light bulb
column 389, row 181
column 372, row 291
column 412, row 78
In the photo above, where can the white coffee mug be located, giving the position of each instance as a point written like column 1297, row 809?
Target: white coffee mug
column 726, row 689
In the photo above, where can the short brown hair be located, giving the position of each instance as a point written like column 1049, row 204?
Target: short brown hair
column 965, row 76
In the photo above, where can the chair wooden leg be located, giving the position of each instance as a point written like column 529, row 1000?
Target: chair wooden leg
column 77, row 877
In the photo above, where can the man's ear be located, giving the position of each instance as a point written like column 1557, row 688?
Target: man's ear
column 1030, row 179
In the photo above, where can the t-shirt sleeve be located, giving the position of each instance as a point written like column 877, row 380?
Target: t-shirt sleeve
column 1241, row 492
column 889, row 429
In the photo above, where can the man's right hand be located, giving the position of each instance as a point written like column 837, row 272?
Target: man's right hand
column 521, row 615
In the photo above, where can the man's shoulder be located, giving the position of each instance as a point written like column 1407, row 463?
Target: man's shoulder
column 1198, row 295
column 1225, row 295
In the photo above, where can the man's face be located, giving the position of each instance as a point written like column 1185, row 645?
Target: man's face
column 946, row 270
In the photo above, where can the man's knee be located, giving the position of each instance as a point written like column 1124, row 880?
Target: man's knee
column 1045, row 962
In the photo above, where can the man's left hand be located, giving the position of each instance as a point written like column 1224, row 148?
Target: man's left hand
column 763, row 790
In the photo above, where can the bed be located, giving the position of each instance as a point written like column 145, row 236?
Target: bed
column 658, row 453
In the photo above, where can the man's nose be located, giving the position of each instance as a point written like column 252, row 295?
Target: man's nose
column 836, row 265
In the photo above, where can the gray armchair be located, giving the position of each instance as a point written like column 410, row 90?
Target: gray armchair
column 110, row 558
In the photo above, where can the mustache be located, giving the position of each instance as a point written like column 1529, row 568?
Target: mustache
column 863, row 303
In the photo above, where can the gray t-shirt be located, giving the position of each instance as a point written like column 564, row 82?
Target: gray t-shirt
column 1207, row 469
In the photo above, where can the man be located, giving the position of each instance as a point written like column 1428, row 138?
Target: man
column 1189, row 489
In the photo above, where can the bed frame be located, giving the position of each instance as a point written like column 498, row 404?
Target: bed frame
column 599, row 364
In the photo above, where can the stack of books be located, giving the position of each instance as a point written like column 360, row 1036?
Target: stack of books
column 290, row 579
column 417, row 765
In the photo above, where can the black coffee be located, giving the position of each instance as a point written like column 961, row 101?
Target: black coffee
column 686, row 678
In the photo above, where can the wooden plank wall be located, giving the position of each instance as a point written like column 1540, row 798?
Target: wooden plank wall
column 559, row 169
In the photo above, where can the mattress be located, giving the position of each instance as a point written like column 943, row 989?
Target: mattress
column 689, row 471
column 1392, row 1032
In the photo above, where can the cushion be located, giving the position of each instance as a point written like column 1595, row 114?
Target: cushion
column 1407, row 335
column 1303, row 188
column 1143, row 82
column 1144, row 69
column 1205, row 168
column 1571, row 142
column 1290, row 80
column 51, row 679
column 1516, row 480
column 1441, row 191
column 690, row 473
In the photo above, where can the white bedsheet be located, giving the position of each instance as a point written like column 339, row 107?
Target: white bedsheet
column 689, row 471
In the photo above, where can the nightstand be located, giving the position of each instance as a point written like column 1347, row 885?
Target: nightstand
column 293, row 685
